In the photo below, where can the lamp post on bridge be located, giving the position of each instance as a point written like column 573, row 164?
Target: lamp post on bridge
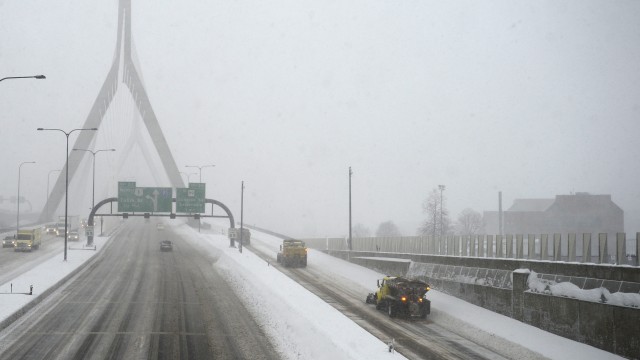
column 93, row 187
column 18, row 199
column 24, row 77
column 188, row 175
column 200, row 181
column 66, row 182
column 200, row 169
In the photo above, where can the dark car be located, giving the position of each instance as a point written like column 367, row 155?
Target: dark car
column 166, row 245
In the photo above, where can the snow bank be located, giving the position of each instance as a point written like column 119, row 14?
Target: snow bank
column 44, row 276
column 570, row 290
column 300, row 324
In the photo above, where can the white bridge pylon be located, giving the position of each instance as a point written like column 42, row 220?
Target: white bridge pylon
column 122, row 64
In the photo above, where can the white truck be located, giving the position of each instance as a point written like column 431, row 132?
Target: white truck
column 28, row 240
column 72, row 224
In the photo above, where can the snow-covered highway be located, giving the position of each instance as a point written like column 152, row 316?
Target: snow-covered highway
column 135, row 301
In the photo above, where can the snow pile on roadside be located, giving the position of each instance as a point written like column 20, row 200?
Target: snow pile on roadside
column 567, row 289
column 301, row 325
column 42, row 277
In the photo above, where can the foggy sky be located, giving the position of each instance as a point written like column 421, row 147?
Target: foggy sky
column 531, row 98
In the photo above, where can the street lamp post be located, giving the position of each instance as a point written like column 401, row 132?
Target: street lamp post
column 188, row 176
column 441, row 187
column 48, row 178
column 18, row 199
column 93, row 187
column 200, row 181
column 66, row 183
column 25, row 77
column 200, row 168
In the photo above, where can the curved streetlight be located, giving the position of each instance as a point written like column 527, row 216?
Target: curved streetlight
column 18, row 199
column 66, row 183
column 25, row 77
column 49, row 178
column 93, row 191
column 200, row 168
column 188, row 175
column 200, row 181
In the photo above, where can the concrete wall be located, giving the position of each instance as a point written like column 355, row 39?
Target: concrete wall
column 494, row 299
column 608, row 327
column 601, row 271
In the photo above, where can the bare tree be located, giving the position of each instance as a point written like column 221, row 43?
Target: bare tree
column 388, row 229
column 360, row 231
column 433, row 207
column 469, row 222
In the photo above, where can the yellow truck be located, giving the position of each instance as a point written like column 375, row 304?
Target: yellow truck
column 401, row 297
column 28, row 240
column 292, row 253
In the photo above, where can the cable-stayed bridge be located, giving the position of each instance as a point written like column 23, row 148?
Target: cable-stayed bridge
column 120, row 109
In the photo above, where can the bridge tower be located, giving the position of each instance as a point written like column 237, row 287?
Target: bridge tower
column 123, row 70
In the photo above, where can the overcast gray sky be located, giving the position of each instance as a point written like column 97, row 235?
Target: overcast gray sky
column 531, row 98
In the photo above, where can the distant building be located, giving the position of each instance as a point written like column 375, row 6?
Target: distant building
column 578, row 213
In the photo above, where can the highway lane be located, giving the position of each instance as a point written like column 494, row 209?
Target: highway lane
column 415, row 339
column 138, row 302
column 14, row 263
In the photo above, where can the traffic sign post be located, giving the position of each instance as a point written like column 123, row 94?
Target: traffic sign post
column 147, row 199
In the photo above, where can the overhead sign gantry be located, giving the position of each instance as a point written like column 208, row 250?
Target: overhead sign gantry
column 157, row 201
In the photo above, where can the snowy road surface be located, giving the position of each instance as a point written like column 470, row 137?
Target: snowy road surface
column 138, row 302
column 14, row 263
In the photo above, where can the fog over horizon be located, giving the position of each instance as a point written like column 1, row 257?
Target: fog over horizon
column 534, row 99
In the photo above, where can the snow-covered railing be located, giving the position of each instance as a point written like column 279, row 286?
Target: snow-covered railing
column 469, row 275
column 621, row 293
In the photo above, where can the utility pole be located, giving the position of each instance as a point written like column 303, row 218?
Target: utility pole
column 350, row 244
column 241, row 215
column 441, row 187
column 500, row 212
column 435, row 211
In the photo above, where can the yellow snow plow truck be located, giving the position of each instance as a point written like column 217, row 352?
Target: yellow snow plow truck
column 28, row 240
column 401, row 297
column 292, row 253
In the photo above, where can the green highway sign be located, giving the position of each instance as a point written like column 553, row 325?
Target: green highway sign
column 147, row 199
column 190, row 200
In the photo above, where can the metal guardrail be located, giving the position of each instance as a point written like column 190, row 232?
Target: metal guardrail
column 501, row 279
